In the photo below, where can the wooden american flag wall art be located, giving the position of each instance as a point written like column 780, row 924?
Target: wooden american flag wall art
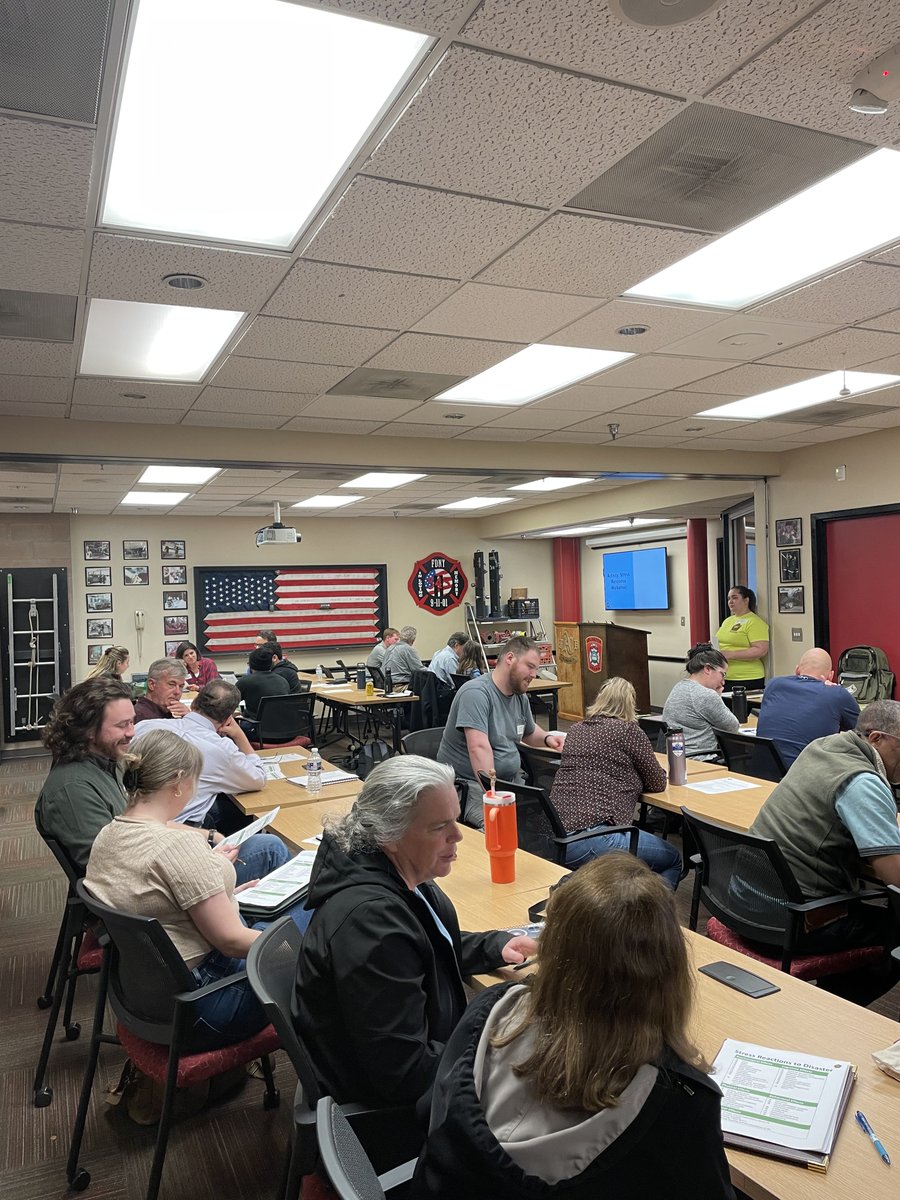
column 307, row 607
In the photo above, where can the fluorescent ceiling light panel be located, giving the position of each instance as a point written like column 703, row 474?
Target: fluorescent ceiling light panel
column 581, row 530
column 326, row 501
column 478, row 502
column 533, row 372
column 805, row 394
column 834, row 221
column 551, row 483
column 129, row 340
column 235, row 118
column 382, row 479
column 163, row 499
column 191, row 475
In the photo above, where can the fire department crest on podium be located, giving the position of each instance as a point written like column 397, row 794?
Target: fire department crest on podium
column 437, row 583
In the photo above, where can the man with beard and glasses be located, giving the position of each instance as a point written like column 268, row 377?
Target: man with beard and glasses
column 488, row 718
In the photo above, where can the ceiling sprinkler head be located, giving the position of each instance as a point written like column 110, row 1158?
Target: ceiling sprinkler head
column 613, row 430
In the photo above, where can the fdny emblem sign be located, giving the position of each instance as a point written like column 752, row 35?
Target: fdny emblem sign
column 593, row 654
column 437, row 583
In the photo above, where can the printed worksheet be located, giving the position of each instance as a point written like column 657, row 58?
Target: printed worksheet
column 256, row 826
column 714, row 787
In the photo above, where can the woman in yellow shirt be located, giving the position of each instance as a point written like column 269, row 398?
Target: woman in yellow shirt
column 744, row 640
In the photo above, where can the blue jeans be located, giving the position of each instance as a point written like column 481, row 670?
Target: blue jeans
column 258, row 856
column 657, row 854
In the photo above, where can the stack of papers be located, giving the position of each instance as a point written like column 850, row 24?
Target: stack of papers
column 782, row 1103
column 254, row 827
column 282, row 885
column 334, row 776
column 712, row 787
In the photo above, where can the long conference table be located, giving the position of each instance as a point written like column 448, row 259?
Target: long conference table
column 798, row 1017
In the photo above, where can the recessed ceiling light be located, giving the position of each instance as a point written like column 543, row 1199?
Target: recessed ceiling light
column 326, row 501
column 382, row 479
column 633, row 330
column 478, row 502
column 199, row 160
column 185, row 283
column 836, row 220
column 179, row 474
column 163, row 499
column 550, row 483
column 535, row 371
column 805, row 394
column 169, row 342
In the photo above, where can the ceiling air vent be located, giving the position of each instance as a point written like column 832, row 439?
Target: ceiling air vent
column 833, row 412
column 395, row 385
column 660, row 14
column 37, row 316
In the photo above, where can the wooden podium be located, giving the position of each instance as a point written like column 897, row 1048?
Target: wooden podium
column 589, row 653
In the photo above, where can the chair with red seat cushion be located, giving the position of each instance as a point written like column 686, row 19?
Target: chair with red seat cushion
column 152, row 992
column 747, row 885
column 285, row 721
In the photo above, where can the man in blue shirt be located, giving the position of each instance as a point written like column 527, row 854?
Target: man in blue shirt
column 446, row 660
column 797, row 709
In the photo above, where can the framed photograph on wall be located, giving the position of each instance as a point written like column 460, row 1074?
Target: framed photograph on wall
column 171, row 647
column 789, row 566
column 94, row 653
column 96, row 551
column 171, row 548
column 175, row 626
column 99, row 602
column 98, row 576
column 100, row 627
column 789, row 531
column 136, row 576
column 133, row 549
column 175, row 600
column 173, row 575
column 790, row 600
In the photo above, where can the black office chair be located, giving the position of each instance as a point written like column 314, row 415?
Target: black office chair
column 539, row 829
column 540, row 768
column 152, row 990
column 656, row 730
column 285, row 720
column 424, row 742
column 749, row 755
column 747, row 885
column 459, row 680
column 346, row 1163
column 377, row 677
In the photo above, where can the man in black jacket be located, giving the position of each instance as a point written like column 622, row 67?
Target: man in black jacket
column 380, row 976
column 284, row 667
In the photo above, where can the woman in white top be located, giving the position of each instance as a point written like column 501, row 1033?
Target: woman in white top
column 695, row 704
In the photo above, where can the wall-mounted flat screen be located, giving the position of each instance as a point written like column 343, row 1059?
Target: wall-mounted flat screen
column 635, row 579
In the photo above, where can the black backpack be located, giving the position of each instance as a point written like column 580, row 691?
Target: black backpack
column 866, row 674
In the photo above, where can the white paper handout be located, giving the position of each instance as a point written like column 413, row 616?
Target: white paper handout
column 249, row 830
column 334, row 776
column 273, row 770
column 280, row 758
column 713, row 787
column 281, row 884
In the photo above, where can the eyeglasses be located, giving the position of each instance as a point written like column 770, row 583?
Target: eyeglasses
column 881, row 733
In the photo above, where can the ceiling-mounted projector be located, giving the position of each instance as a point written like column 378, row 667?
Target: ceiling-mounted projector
column 277, row 534
column 875, row 87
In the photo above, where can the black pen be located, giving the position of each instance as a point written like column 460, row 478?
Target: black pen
column 526, row 963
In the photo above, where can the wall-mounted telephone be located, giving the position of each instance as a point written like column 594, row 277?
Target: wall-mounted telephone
column 139, row 630
column 139, row 620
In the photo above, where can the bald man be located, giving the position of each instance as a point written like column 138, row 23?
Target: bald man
column 799, row 708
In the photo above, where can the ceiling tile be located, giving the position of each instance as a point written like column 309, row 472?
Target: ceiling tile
column 848, row 296
column 891, row 255
column 34, row 258
column 887, row 321
column 676, row 404
column 845, row 348
column 806, row 75
column 243, row 400
column 275, row 376
column 142, row 415
column 717, row 445
column 664, row 325
column 885, row 420
column 444, row 415
column 505, row 313
column 413, row 430
column 594, row 399
column 359, row 408
column 884, row 366
column 749, row 379
column 22, row 357
column 744, row 337
column 306, row 424
column 828, row 433
column 26, row 408
column 132, row 268
column 582, row 437
column 46, row 171
column 590, row 256
column 428, row 16
column 312, row 341
column 20, row 389
column 757, row 431
column 401, row 228
column 121, row 393
column 585, row 35
column 650, row 441
column 353, row 296
column 626, row 422
column 534, row 417
column 660, row 372
column 234, row 420
column 496, row 126
column 443, row 355
column 486, row 433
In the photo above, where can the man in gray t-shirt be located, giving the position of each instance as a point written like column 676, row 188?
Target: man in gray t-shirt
column 489, row 717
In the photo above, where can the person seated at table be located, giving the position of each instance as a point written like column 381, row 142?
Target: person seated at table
column 165, row 682
column 265, row 636
column 446, row 660
column 284, row 667
column 389, row 638
column 113, row 661
column 695, row 704
column 472, row 663
column 607, row 763
column 582, row 1082
column 260, row 682
column 797, row 709
column 140, row 864
column 379, row 978
column 199, row 670
column 401, row 659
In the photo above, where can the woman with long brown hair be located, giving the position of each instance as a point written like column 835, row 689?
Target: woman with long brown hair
column 582, row 1081
column 113, row 661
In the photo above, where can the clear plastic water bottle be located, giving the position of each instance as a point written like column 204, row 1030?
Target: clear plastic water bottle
column 675, row 756
column 320, row 674
column 314, row 773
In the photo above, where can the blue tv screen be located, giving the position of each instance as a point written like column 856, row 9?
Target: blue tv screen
column 635, row 579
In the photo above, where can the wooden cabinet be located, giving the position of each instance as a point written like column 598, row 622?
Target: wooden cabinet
column 588, row 653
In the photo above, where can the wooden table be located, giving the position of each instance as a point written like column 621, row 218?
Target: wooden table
column 348, row 695
column 738, row 810
column 289, row 795
column 696, row 769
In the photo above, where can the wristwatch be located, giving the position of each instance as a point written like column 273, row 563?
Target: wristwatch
column 211, row 837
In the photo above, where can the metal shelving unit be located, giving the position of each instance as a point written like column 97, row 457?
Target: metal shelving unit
column 532, row 628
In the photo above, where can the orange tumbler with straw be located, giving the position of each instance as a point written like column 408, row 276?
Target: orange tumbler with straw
column 500, row 834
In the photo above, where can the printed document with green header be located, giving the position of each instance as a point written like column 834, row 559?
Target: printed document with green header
column 780, row 1102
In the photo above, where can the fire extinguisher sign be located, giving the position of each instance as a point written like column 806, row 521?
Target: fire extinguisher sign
column 593, row 654
column 437, row 583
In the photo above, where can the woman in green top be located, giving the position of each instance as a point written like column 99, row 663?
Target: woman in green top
column 744, row 640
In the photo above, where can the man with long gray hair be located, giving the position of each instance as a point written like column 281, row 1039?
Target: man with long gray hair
column 379, row 979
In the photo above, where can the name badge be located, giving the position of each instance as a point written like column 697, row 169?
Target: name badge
column 520, row 731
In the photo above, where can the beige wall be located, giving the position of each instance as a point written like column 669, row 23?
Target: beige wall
column 228, row 541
